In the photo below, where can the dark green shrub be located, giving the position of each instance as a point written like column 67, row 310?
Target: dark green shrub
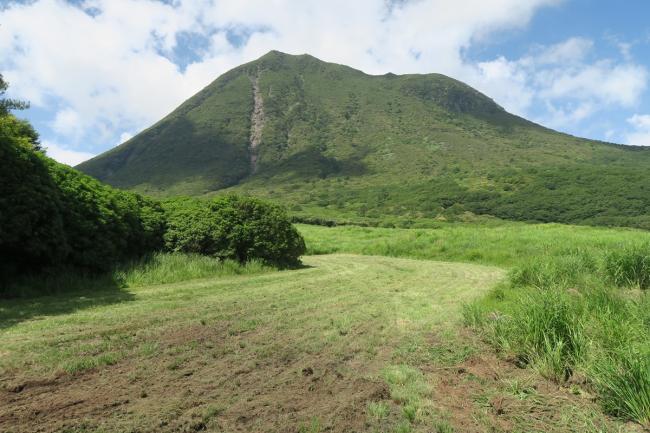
column 31, row 228
column 105, row 226
column 232, row 227
column 629, row 267
column 54, row 217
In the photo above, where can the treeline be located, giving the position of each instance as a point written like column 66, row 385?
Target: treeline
column 53, row 217
column 614, row 196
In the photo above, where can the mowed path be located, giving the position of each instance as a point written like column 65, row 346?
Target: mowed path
column 299, row 350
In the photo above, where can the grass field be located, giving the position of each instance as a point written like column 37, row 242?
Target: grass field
column 504, row 244
column 234, row 352
column 347, row 343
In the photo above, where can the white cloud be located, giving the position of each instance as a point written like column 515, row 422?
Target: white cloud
column 638, row 138
column 640, row 121
column 562, row 79
column 112, row 70
column 124, row 137
column 571, row 51
column 66, row 122
column 641, row 134
column 65, row 156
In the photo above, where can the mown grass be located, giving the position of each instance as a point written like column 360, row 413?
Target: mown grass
column 241, row 341
column 564, row 311
column 69, row 291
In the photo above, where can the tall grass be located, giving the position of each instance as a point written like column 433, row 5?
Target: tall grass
column 158, row 268
column 505, row 244
column 629, row 267
column 163, row 268
column 562, row 314
column 623, row 381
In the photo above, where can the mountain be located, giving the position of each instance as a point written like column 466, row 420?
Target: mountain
column 332, row 141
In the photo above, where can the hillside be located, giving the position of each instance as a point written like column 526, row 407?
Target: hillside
column 332, row 141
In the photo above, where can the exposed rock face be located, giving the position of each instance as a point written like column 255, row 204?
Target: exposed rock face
column 257, row 123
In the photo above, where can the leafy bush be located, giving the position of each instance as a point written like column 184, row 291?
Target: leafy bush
column 31, row 226
column 629, row 267
column 231, row 227
column 52, row 216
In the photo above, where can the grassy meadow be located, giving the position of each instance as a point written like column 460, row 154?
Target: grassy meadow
column 460, row 328
column 504, row 244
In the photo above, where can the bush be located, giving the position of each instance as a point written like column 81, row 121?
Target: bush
column 231, row 227
column 105, row 226
column 52, row 216
column 31, row 226
column 629, row 267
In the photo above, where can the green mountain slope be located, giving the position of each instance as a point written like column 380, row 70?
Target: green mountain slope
column 332, row 141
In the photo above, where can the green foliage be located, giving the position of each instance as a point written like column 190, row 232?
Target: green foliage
column 32, row 229
column 7, row 104
column 232, row 227
column 629, row 267
column 338, row 144
column 52, row 216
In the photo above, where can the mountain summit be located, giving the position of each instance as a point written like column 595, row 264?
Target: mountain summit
column 325, row 136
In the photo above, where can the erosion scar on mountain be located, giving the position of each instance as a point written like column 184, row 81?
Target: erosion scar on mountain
column 257, row 122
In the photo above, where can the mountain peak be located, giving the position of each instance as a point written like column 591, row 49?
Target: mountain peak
column 294, row 126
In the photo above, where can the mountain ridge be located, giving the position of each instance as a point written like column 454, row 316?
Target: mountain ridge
column 329, row 139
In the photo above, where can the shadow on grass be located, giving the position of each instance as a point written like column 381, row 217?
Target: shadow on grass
column 65, row 294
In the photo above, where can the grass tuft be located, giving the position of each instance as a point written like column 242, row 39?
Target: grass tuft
column 624, row 384
column 629, row 267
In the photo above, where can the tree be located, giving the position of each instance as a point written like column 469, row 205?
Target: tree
column 7, row 104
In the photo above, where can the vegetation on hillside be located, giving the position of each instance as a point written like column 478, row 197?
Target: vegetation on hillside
column 341, row 144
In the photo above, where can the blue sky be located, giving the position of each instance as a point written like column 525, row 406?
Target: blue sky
column 99, row 71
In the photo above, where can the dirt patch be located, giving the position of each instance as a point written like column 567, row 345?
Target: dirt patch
column 203, row 378
column 209, row 378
